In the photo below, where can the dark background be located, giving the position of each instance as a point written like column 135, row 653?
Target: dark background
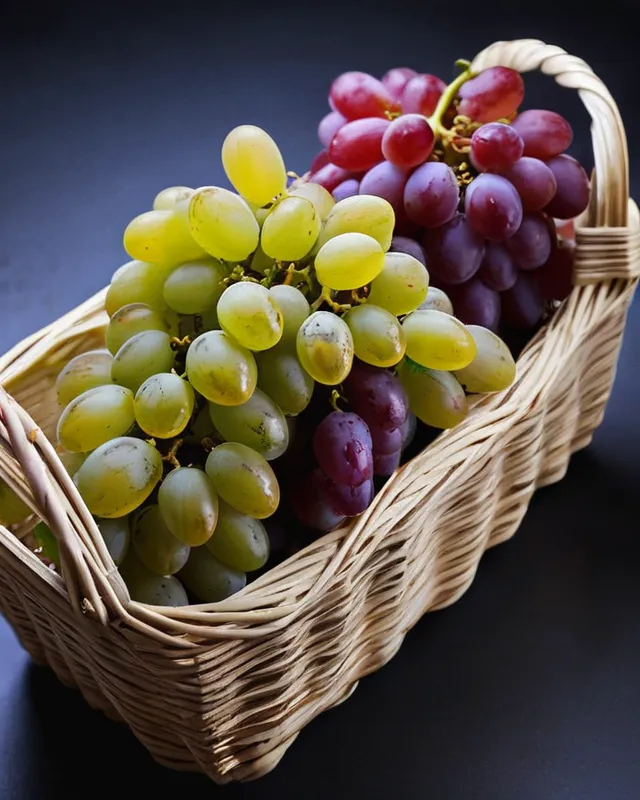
column 528, row 687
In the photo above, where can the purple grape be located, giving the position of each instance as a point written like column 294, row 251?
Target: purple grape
column 454, row 250
column 396, row 79
column 522, row 304
column 342, row 446
column 495, row 147
column 494, row 93
column 330, row 176
column 530, row 245
column 347, row 188
column 402, row 244
column 476, row 304
column 545, row 134
column 555, row 277
column 310, row 502
column 534, row 182
column 349, row 501
column 386, row 464
column 409, row 428
column 572, row 192
column 493, row 207
column 498, row 270
column 376, row 395
column 386, row 181
column 386, row 440
column 431, row 195
column 329, row 126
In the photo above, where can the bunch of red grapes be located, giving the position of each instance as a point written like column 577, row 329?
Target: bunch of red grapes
column 479, row 189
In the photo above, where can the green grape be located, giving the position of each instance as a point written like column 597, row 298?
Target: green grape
column 154, row 590
column 222, row 223
column 117, row 536
column 349, row 261
column 362, row 213
column 254, row 165
column 47, row 543
column 493, row 369
column 132, row 319
column 282, row 377
column 172, row 197
column 12, row 509
column 318, row 195
column 243, row 479
column 250, row 314
column 378, row 338
column 95, row 417
column 137, row 282
column 155, row 545
column 161, row 237
column 240, row 541
column 195, row 287
column 220, row 369
column 70, row 461
column 290, row 229
column 402, row 284
column 261, row 262
column 438, row 300
column 435, row 397
column 118, row 476
column 209, row 579
column 438, row 340
column 163, row 405
column 189, row 505
column 259, row 212
column 258, row 423
column 142, row 356
column 325, row 347
column 295, row 309
column 83, row 372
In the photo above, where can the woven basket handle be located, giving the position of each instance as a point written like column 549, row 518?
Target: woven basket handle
column 606, row 247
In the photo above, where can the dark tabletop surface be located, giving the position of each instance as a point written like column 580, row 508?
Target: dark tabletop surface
column 527, row 688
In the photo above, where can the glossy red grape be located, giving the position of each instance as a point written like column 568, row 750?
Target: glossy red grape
column 342, row 446
column 319, row 161
column 311, row 504
column 494, row 93
column 421, row 94
column 408, row 141
column 386, row 441
column 349, row 500
column 385, row 464
column 330, row 176
column 474, row 303
column 534, row 182
column 493, row 207
column 572, row 190
column 347, row 188
column 329, row 126
column 495, row 147
column 396, row 79
column 498, row 270
column 386, row 181
column 545, row 134
column 454, row 250
column 522, row 304
column 357, row 95
column 358, row 145
column 402, row 244
column 431, row 195
column 530, row 245
column 376, row 395
column 555, row 277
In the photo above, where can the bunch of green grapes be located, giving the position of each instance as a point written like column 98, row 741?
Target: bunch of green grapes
column 236, row 310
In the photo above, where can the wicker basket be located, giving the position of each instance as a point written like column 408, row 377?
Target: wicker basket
column 226, row 688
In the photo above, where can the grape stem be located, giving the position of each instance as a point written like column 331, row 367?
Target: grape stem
column 180, row 344
column 171, row 455
column 325, row 297
column 447, row 97
column 335, row 397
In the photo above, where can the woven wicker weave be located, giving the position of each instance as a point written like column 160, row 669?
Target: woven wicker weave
column 225, row 688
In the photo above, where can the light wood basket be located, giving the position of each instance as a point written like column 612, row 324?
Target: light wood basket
column 226, row 688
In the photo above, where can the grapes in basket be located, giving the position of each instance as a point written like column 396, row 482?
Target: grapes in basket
column 275, row 352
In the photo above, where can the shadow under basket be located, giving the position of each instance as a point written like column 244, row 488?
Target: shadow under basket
column 225, row 688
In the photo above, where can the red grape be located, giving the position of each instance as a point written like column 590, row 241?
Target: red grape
column 347, row 188
column 495, row 147
column 408, row 141
column 385, row 464
column 431, row 195
column 421, row 94
column 498, row 270
column 545, row 134
column 493, row 207
column 330, row 176
column 522, row 304
column 329, row 126
column 534, row 182
column 343, row 449
column 320, row 160
column 396, row 79
column 572, row 192
column 386, row 181
column 358, row 145
column 494, row 93
column 474, row 303
column 402, row 244
column 555, row 278
column 311, row 504
column 454, row 250
column 349, row 500
column 376, row 395
column 530, row 245
column 385, row 441
column 357, row 95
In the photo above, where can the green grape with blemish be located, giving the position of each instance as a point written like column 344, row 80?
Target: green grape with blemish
column 290, row 229
column 378, row 338
column 324, row 345
column 435, row 397
column 363, row 213
column 438, row 340
column 163, row 405
column 95, row 417
column 223, row 224
column 146, row 587
column 137, row 282
column 83, row 372
column 220, row 369
column 189, row 505
column 249, row 313
column 130, row 320
column 244, row 479
column 349, row 261
column 116, row 533
column 438, row 300
column 145, row 354
column 493, row 369
column 402, row 284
